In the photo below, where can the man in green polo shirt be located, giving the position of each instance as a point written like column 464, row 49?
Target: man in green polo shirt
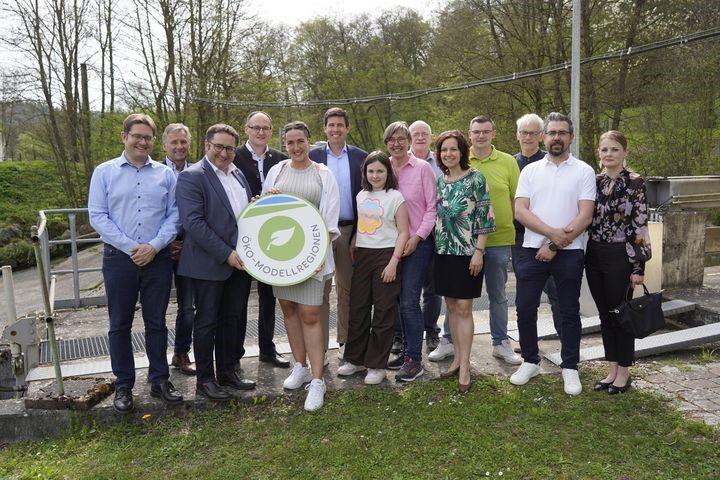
column 501, row 172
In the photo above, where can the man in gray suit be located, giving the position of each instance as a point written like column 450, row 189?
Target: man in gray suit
column 210, row 196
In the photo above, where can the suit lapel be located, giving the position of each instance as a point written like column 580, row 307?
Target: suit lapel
column 217, row 186
column 240, row 177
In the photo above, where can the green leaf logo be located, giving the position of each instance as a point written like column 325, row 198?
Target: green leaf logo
column 281, row 238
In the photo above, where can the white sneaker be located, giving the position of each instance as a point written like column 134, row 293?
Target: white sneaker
column 506, row 352
column 341, row 351
column 523, row 374
column 374, row 376
column 571, row 378
column 316, row 395
column 348, row 368
column 444, row 349
column 298, row 377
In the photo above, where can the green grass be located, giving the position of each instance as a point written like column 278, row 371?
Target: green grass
column 424, row 431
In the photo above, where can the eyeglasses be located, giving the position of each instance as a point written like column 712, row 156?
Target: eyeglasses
column 258, row 129
column 420, row 135
column 481, row 132
column 392, row 140
column 557, row 133
column 527, row 133
column 217, row 148
column 137, row 137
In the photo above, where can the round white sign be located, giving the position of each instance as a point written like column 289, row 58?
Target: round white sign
column 282, row 239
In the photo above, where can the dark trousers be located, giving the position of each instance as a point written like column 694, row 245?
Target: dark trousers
column 185, row 312
column 220, row 319
column 266, row 319
column 608, row 274
column 567, row 270
column 124, row 283
column 432, row 303
column 369, row 341
column 549, row 287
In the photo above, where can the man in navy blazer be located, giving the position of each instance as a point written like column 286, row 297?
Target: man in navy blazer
column 210, row 196
column 345, row 161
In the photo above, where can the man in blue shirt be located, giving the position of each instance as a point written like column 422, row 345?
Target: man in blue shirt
column 345, row 161
column 132, row 206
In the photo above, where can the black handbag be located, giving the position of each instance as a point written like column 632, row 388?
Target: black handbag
column 640, row 316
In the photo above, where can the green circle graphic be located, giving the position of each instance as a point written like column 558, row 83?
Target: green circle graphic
column 281, row 238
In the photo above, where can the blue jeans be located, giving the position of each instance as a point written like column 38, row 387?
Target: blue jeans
column 567, row 270
column 185, row 312
column 124, row 281
column 549, row 287
column 414, row 271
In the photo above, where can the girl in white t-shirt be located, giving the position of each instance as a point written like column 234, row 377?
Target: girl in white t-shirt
column 382, row 231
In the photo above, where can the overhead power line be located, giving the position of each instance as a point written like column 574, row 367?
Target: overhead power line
column 701, row 36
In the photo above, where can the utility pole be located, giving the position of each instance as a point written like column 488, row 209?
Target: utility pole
column 575, row 76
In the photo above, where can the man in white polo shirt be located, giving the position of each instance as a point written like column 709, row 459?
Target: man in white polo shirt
column 554, row 201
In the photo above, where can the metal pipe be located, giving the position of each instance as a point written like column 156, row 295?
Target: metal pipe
column 575, row 76
column 9, row 289
column 74, row 259
column 48, row 311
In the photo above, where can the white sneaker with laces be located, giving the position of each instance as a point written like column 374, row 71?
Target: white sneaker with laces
column 444, row 349
column 374, row 376
column 298, row 377
column 348, row 368
column 523, row 374
column 571, row 378
column 506, row 352
column 316, row 395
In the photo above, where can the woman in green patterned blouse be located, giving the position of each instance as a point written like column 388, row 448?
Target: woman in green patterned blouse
column 464, row 218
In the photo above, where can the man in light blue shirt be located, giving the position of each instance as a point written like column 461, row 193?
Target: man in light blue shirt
column 132, row 206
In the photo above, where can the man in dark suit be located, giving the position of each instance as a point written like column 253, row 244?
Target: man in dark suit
column 210, row 195
column 345, row 161
column 255, row 159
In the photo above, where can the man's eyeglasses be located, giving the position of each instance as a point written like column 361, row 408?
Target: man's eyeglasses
column 481, row 132
column 137, row 137
column 528, row 133
column 217, row 148
column 258, row 129
column 399, row 140
column 557, row 133
column 420, row 134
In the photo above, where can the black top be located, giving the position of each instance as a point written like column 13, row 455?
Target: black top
column 249, row 167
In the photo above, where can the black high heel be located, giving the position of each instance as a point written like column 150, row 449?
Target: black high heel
column 614, row 390
column 600, row 386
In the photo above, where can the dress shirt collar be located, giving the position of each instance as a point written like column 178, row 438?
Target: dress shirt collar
column 123, row 159
column 570, row 160
column 342, row 152
column 174, row 168
column 231, row 167
column 255, row 156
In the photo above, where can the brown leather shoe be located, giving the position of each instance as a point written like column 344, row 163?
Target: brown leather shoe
column 182, row 362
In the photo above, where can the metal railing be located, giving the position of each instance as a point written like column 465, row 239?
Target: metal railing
column 43, row 236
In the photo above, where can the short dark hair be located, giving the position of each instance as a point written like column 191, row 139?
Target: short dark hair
column 378, row 156
column 221, row 128
column 558, row 117
column 257, row 112
column 135, row 118
column 296, row 125
column 462, row 146
column 483, row 119
column 336, row 112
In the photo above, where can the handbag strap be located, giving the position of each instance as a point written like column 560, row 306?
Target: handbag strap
column 630, row 290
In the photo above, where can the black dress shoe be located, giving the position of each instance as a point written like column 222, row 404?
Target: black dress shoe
column 166, row 392
column 235, row 381
column 123, row 401
column 600, row 386
column 614, row 390
column 213, row 391
column 275, row 358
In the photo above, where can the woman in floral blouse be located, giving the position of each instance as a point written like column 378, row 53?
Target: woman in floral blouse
column 617, row 250
column 464, row 218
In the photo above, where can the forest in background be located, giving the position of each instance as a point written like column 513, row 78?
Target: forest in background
column 207, row 61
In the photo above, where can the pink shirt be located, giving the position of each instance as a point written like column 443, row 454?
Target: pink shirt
column 417, row 183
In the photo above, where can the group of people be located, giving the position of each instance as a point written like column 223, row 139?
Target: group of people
column 406, row 224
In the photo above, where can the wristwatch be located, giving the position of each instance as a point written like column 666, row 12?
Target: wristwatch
column 552, row 247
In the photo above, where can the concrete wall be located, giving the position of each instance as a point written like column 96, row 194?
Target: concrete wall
column 683, row 250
